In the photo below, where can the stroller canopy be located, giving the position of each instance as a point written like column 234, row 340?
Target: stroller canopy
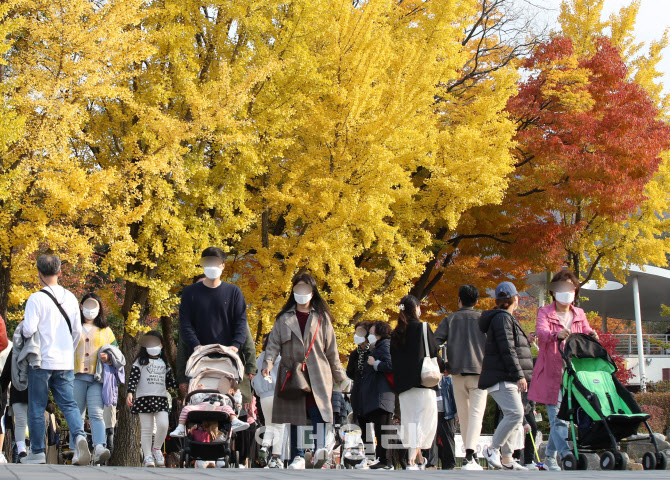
column 210, row 363
column 579, row 345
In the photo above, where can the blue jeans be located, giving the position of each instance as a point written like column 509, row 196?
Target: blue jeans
column 88, row 395
column 318, row 430
column 558, row 434
column 61, row 384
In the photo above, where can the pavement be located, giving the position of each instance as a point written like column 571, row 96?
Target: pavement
column 68, row 472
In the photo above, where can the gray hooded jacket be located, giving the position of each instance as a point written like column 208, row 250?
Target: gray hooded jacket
column 25, row 354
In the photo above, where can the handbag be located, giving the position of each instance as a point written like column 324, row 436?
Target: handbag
column 294, row 383
column 430, row 370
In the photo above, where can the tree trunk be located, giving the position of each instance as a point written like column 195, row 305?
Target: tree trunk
column 5, row 284
column 169, row 345
column 127, row 440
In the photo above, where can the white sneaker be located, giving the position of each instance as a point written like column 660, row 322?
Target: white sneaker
column 551, row 464
column 513, row 466
column 204, row 464
column 531, row 466
column 298, row 463
column 275, row 462
column 3, row 459
column 82, row 455
column 364, row 465
column 471, row 465
column 34, row 459
column 100, row 454
column 413, row 467
column 320, row 457
column 239, row 425
column 180, row 431
column 149, row 461
column 158, row 457
column 492, row 456
column 221, row 463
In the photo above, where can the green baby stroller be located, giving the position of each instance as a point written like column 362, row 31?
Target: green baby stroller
column 603, row 415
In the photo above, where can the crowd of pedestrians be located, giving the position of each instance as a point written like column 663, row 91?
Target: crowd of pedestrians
column 407, row 379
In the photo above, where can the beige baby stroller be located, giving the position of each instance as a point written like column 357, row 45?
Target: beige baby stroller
column 207, row 367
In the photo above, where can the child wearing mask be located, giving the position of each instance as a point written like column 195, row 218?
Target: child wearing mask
column 150, row 377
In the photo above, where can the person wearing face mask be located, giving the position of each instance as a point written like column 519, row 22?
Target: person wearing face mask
column 554, row 323
column 150, row 378
column 304, row 337
column 212, row 311
column 87, row 391
column 378, row 398
column 357, row 360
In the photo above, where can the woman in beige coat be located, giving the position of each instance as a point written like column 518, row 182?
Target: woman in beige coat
column 305, row 318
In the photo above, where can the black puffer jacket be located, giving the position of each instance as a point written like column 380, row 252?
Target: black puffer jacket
column 507, row 356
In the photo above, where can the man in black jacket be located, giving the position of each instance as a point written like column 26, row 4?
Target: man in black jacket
column 506, row 370
column 465, row 352
column 213, row 311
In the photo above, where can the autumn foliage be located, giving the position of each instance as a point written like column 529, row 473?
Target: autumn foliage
column 387, row 147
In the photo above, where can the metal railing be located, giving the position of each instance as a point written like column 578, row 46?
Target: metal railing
column 652, row 344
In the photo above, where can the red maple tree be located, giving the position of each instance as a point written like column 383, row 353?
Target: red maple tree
column 588, row 141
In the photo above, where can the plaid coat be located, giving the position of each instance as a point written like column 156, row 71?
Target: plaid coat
column 323, row 364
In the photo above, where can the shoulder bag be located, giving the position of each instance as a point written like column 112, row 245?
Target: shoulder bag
column 294, row 383
column 430, row 370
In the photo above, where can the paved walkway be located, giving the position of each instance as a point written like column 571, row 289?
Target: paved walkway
column 64, row 472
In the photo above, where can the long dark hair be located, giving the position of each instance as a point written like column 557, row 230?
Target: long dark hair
column 100, row 320
column 143, row 356
column 408, row 305
column 317, row 302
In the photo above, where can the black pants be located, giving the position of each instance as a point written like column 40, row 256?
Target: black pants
column 446, row 445
column 379, row 419
column 528, row 450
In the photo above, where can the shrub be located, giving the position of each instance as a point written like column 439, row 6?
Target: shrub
column 658, row 400
column 658, row 418
column 659, row 387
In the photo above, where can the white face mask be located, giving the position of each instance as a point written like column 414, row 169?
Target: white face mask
column 154, row 351
column 90, row 313
column 302, row 299
column 565, row 298
column 238, row 397
column 372, row 339
column 358, row 339
column 213, row 272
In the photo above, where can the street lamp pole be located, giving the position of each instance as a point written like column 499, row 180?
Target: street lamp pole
column 638, row 331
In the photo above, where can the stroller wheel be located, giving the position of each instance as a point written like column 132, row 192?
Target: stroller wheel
column 583, row 462
column 621, row 460
column 649, row 461
column 182, row 462
column 569, row 462
column 661, row 461
column 187, row 460
column 607, row 461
